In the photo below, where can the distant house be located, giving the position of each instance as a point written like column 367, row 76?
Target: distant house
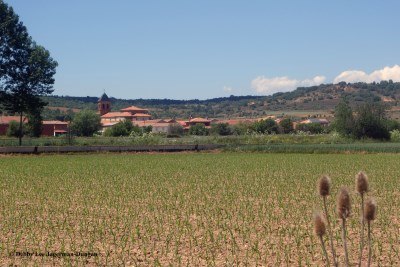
column 5, row 121
column 196, row 121
column 49, row 128
column 54, row 128
column 158, row 126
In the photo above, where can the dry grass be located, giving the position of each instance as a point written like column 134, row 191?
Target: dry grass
column 187, row 209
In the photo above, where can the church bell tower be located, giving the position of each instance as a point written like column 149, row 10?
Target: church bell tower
column 104, row 104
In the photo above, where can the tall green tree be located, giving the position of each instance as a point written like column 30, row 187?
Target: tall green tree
column 86, row 123
column 371, row 122
column 286, row 125
column 198, row 129
column 268, row 126
column 34, row 125
column 122, row 128
column 344, row 119
column 26, row 69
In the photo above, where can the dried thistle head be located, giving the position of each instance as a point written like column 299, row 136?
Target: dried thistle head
column 319, row 224
column 324, row 186
column 370, row 209
column 361, row 183
column 343, row 203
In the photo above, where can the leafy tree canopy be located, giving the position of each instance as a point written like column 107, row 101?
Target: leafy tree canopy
column 221, row 129
column 86, row 123
column 198, row 129
column 286, row 125
column 268, row 126
column 26, row 69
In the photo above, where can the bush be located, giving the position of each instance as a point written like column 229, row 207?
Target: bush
column 286, row 125
column 268, row 126
column 122, row 128
column 198, row 129
column 344, row 120
column 137, row 131
column 392, row 125
column 221, row 129
column 313, row 128
column 147, row 129
column 395, row 135
column 13, row 129
column 86, row 123
column 370, row 122
column 175, row 130
column 241, row 128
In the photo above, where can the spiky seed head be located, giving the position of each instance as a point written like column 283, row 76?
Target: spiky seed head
column 324, row 186
column 343, row 203
column 319, row 224
column 361, row 183
column 370, row 209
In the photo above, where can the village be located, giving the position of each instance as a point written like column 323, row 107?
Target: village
column 142, row 117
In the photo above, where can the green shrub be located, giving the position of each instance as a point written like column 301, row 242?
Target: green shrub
column 313, row 128
column 221, row 129
column 395, row 135
column 198, row 129
column 13, row 129
column 268, row 126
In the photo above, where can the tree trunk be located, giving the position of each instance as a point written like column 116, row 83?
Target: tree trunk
column 20, row 129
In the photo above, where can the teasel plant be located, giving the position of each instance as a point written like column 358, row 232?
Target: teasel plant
column 369, row 216
column 343, row 210
column 324, row 189
column 362, row 189
column 320, row 231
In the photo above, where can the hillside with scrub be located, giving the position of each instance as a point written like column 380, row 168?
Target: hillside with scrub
column 302, row 102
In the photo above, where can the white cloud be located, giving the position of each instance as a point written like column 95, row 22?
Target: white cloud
column 264, row 85
column 227, row 89
column 268, row 86
column 387, row 73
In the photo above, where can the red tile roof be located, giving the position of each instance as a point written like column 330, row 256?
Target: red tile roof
column 141, row 115
column 117, row 114
column 134, row 109
column 8, row 119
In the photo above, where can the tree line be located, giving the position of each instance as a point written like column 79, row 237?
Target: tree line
column 26, row 72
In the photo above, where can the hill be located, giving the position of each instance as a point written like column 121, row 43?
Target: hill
column 304, row 100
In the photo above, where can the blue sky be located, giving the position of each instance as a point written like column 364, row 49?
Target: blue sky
column 203, row 49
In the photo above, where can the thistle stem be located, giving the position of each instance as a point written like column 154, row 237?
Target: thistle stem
column 330, row 233
column 344, row 240
column 362, row 230
column 369, row 244
column 324, row 250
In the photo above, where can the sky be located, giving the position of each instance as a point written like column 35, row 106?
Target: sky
column 202, row 49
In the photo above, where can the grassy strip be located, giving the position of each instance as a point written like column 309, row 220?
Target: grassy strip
column 319, row 148
column 155, row 139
